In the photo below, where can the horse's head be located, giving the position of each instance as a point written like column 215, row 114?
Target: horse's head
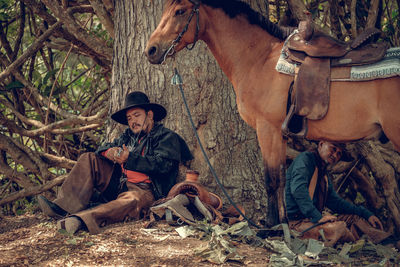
column 178, row 27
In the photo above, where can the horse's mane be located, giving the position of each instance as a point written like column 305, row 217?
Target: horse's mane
column 234, row 7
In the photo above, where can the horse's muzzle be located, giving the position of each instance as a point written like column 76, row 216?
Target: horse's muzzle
column 154, row 54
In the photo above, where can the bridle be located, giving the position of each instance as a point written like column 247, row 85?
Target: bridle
column 171, row 50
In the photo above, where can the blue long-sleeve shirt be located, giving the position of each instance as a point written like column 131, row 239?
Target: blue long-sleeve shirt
column 298, row 202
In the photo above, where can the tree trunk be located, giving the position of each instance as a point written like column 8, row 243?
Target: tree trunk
column 230, row 144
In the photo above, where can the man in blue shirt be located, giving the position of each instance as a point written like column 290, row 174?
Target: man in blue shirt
column 308, row 191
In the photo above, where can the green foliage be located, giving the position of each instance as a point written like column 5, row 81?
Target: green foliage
column 49, row 74
column 22, row 206
column 6, row 9
column 359, row 199
column 75, row 82
column 14, row 85
column 391, row 26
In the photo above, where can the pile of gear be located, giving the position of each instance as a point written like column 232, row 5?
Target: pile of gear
column 190, row 202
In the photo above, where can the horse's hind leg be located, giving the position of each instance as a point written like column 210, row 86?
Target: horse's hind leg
column 273, row 149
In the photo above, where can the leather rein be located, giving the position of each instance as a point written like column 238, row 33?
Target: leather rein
column 177, row 80
column 171, row 50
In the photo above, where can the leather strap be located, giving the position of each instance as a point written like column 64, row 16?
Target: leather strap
column 313, row 183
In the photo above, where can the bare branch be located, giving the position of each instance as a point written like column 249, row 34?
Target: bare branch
column 367, row 189
column 109, row 6
column 30, row 51
column 21, row 29
column 33, row 190
column 72, row 119
column 4, row 42
column 42, row 100
column 53, row 160
column 372, row 13
column 40, row 9
column 18, row 177
column 353, row 18
column 54, row 128
column 9, row 146
column 103, row 15
column 298, row 9
column 94, row 43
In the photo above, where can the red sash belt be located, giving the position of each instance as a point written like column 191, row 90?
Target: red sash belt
column 136, row 177
column 132, row 176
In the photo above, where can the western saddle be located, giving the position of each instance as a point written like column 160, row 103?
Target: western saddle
column 314, row 54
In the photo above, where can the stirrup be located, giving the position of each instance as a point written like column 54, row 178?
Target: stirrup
column 285, row 125
column 175, row 206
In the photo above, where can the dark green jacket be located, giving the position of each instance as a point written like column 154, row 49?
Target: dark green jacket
column 298, row 202
column 158, row 155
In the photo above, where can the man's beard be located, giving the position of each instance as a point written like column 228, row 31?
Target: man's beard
column 140, row 129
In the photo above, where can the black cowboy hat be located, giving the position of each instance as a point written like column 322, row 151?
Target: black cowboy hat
column 139, row 100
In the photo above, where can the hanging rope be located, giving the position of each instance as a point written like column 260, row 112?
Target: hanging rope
column 177, row 80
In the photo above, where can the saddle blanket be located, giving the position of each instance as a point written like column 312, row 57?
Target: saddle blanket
column 389, row 66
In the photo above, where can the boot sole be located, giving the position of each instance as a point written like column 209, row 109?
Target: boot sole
column 47, row 209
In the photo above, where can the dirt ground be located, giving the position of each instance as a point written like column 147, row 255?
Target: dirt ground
column 33, row 240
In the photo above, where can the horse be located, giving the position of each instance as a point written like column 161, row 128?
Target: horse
column 247, row 47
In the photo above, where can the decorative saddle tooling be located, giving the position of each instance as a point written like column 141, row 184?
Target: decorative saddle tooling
column 191, row 202
column 316, row 56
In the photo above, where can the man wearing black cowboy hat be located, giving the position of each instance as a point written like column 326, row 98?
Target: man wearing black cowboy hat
column 308, row 191
column 124, row 176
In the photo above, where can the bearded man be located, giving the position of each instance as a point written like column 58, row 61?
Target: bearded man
column 123, row 177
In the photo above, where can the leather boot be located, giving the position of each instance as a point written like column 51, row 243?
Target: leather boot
column 334, row 231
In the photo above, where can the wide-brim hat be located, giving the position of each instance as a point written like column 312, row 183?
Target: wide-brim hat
column 139, row 100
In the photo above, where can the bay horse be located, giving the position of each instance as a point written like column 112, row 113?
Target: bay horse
column 247, row 47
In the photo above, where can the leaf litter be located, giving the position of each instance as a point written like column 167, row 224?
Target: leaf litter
column 33, row 239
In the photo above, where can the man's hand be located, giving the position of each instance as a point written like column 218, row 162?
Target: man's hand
column 328, row 218
column 112, row 152
column 122, row 155
column 118, row 155
column 375, row 222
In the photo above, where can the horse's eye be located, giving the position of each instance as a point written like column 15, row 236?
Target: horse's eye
column 180, row 12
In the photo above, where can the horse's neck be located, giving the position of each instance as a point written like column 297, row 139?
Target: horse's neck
column 237, row 45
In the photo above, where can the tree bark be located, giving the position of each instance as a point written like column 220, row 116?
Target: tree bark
column 373, row 13
column 298, row 9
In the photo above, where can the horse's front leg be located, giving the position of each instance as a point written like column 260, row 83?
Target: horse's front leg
column 273, row 149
